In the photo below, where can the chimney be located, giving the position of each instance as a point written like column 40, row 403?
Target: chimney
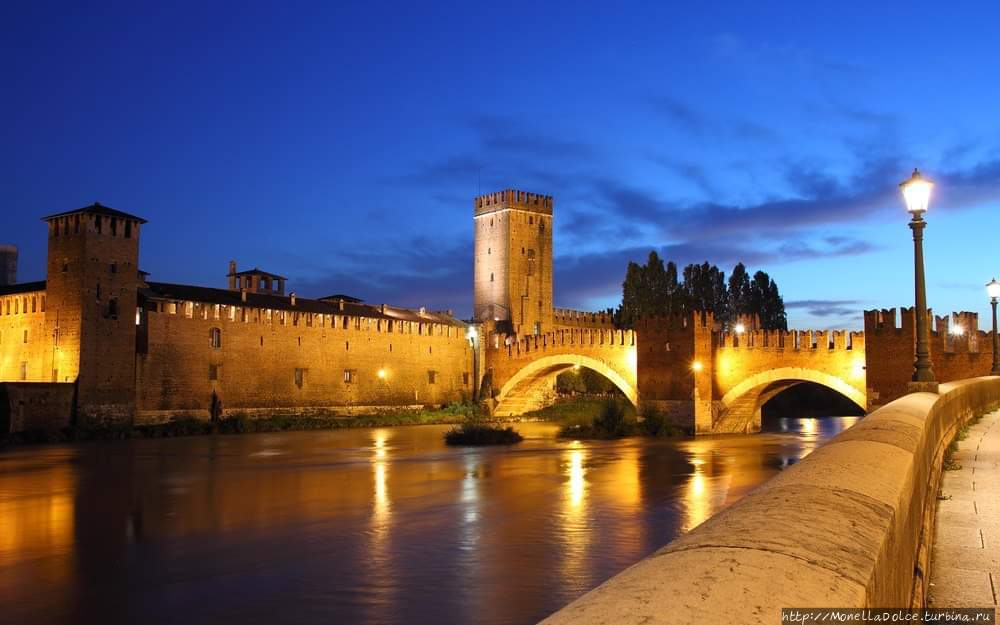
column 341, row 305
column 423, row 311
column 291, row 296
column 232, row 275
column 243, row 294
column 383, row 309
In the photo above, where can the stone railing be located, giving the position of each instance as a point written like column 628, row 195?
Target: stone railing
column 849, row 526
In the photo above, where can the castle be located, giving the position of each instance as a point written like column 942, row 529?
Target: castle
column 99, row 342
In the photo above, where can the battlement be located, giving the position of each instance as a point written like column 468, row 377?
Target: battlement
column 955, row 333
column 513, row 199
column 579, row 318
column 829, row 340
column 577, row 337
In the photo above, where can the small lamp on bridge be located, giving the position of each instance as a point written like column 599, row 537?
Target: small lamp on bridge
column 472, row 333
column 917, row 195
column 993, row 290
column 739, row 328
column 696, row 366
column 956, row 330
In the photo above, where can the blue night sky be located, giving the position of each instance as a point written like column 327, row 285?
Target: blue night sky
column 341, row 144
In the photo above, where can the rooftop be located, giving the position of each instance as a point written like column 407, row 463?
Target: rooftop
column 184, row 292
column 22, row 287
column 99, row 209
column 257, row 272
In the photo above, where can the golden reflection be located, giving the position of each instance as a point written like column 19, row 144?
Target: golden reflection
column 382, row 503
column 808, row 426
column 697, row 495
column 575, row 530
column 577, row 485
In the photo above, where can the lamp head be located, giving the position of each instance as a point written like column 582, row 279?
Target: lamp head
column 696, row 366
column 739, row 328
column 916, row 193
column 993, row 289
column 956, row 330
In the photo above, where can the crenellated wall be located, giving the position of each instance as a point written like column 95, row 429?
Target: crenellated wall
column 891, row 345
column 581, row 319
column 284, row 361
column 521, row 371
column 26, row 349
column 714, row 381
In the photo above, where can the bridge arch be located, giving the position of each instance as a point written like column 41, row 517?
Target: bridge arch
column 740, row 406
column 517, row 393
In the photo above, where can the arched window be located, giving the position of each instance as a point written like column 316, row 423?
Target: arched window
column 215, row 338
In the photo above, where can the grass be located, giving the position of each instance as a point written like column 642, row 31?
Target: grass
column 950, row 464
column 240, row 424
column 480, row 433
column 616, row 418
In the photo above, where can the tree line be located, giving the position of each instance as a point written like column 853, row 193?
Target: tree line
column 656, row 290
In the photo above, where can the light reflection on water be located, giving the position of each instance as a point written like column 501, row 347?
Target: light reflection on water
column 382, row 525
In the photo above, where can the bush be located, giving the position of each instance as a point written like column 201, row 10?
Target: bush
column 482, row 434
column 611, row 420
column 655, row 423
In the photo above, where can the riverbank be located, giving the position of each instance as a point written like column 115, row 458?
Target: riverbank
column 565, row 412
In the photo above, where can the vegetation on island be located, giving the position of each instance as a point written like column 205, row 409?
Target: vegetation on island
column 616, row 418
column 653, row 290
column 475, row 433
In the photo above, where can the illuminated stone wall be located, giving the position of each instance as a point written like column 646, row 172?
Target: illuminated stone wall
column 891, row 349
column 260, row 351
column 25, row 345
column 512, row 273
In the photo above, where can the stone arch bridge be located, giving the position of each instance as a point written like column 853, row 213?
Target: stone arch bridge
column 704, row 380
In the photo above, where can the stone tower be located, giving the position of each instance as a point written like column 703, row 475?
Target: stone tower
column 8, row 265
column 513, row 260
column 91, row 286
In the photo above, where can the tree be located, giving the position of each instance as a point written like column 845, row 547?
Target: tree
column 739, row 291
column 766, row 301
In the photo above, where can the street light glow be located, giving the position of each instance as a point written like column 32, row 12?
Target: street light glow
column 956, row 330
column 917, row 193
column 993, row 289
column 472, row 333
column 381, row 374
column 696, row 366
column 739, row 328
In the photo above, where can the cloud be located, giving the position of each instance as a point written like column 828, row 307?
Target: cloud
column 826, row 308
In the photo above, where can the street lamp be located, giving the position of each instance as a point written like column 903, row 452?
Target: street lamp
column 917, row 194
column 739, row 328
column 993, row 290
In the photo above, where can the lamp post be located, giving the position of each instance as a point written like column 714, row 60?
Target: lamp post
column 993, row 290
column 917, row 194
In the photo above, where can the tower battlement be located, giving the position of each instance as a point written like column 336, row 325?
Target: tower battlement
column 513, row 199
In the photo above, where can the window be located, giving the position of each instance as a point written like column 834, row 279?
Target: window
column 300, row 377
column 65, row 267
column 97, row 223
column 348, row 376
column 214, row 371
column 531, row 220
column 76, row 230
column 465, row 378
column 215, row 338
column 491, row 277
column 25, row 337
column 128, row 229
column 113, row 268
column 112, row 308
column 24, row 370
column 431, row 377
column 114, row 226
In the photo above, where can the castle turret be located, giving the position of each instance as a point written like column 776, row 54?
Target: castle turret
column 92, row 287
column 513, row 260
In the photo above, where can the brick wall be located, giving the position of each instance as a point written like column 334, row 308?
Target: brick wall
column 25, row 344
column 260, row 352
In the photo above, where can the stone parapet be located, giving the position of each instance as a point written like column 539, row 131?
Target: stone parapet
column 847, row 527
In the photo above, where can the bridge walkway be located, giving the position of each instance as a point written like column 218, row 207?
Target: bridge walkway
column 965, row 560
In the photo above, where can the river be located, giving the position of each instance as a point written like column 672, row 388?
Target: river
column 379, row 526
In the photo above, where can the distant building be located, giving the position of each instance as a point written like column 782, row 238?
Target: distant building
column 8, row 265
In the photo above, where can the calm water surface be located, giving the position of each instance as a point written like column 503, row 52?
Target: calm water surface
column 354, row 526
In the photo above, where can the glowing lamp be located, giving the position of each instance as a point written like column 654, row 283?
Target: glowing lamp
column 696, row 366
column 916, row 193
column 739, row 328
column 472, row 334
column 993, row 289
column 381, row 374
column 956, row 330
column 576, row 367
